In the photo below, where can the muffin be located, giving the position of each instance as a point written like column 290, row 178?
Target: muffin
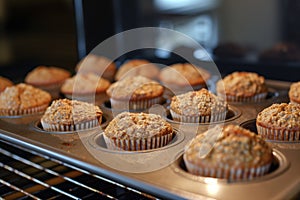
column 229, row 50
column 71, row 115
column 183, row 77
column 4, row 82
column 135, row 93
column 137, row 131
column 242, row 87
column 87, row 87
column 281, row 52
column 99, row 65
column 23, row 99
column 137, row 67
column 48, row 78
column 198, row 107
column 231, row 153
column 279, row 122
column 294, row 92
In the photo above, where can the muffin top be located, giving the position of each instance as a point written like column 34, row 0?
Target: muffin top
column 135, row 88
column 232, row 146
column 83, row 84
column 195, row 103
column 280, row 116
column 68, row 112
column 183, row 74
column 100, row 65
column 294, row 92
column 44, row 75
column 23, row 96
column 242, row 84
column 4, row 82
column 137, row 125
column 137, row 67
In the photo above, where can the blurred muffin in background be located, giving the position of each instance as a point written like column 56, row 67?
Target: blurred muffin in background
column 294, row 92
column 281, row 52
column 229, row 50
column 99, row 65
column 4, row 82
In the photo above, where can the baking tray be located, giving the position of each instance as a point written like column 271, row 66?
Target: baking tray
column 162, row 171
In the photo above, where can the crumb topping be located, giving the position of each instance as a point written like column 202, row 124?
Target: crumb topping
column 242, row 84
column 4, row 82
column 232, row 146
column 197, row 103
column 82, row 83
column 43, row 75
column 294, row 92
column 184, row 74
column 280, row 116
column 23, row 96
column 67, row 112
column 135, row 88
column 137, row 125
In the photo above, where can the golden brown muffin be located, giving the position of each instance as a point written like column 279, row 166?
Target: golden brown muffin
column 23, row 99
column 99, row 65
column 294, row 92
column 137, row 131
column 4, row 82
column 71, row 115
column 279, row 122
column 135, row 93
column 242, row 87
column 198, row 106
column 137, row 67
column 183, row 77
column 231, row 152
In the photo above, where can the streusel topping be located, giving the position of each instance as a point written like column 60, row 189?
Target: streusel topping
column 4, row 82
column 82, row 83
column 280, row 116
column 67, row 112
column 135, row 88
column 197, row 103
column 294, row 92
column 231, row 146
column 242, row 84
column 137, row 125
column 23, row 96
column 43, row 75
column 184, row 74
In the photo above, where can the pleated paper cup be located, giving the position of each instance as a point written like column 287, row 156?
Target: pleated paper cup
column 138, row 144
column 229, row 173
column 134, row 105
column 282, row 134
column 29, row 111
column 256, row 98
column 198, row 119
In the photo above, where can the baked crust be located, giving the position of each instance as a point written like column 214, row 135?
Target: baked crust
column 23, row 97
column 44, row 75
column 280, row 116
column 4, row 82
column 70, row 112
column 198, row 103
column 242, row 84
column 137, row 126
column 294, row 92
column 230, row 147
column 183, row 74
column 135, row 89
column 83, row 84
column 137, row 67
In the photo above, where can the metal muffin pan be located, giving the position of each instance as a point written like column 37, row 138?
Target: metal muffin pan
column 170, row 180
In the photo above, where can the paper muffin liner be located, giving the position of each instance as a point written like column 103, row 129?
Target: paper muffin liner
column 198, row 119
column 256, row 98
column 138, row 144
column 29, row 111
column 278, row 134
column 71, row 127
column 134, row 105
column 233, row 173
